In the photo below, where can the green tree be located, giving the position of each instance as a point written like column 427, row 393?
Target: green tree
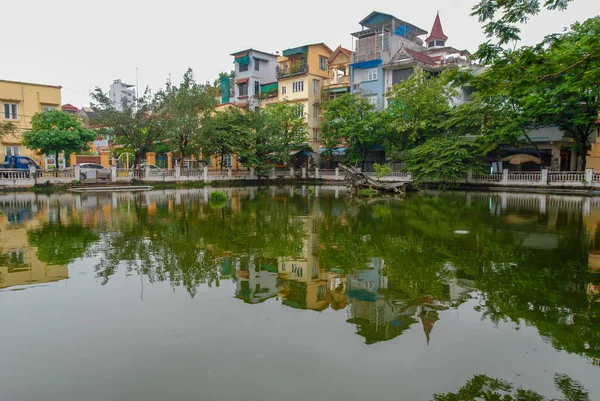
column 55, row 131
column 354, row 121
column 276, row 130
column 183, row 109
column 501, row 20
column 226, row 132
column 136, row 125
column 418, row 106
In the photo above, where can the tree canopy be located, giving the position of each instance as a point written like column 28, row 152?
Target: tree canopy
column 353, row 121
column 55, row 131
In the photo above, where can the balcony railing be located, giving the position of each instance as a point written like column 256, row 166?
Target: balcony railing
column 287, row 70
column 343, row 80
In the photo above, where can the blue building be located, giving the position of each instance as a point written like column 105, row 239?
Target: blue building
column 381, row 37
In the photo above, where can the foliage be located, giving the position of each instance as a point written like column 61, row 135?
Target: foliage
column 354, row 121
column 137, row 126
column 482, row 387
column 59, row 244
column 218, row 196
column 7, row 128
column 417, row 108
column 55, row 131
column 443, row 158
column 183, row 109
column 501, row 20
column 276, row 130
column 226, row 132
column 381, row 170
column 367, row 192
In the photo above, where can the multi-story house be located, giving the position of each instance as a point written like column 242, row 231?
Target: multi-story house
column 381, row 37
column 253, row 68
column 433, row 56
column 300, row 74
column 121, row 93
column 19, row 102
column 338, row 82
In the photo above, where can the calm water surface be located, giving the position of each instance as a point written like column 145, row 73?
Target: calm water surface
column 295, row 294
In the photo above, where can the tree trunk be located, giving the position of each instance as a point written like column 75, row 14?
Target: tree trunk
column 56, row 165
column 537, row 151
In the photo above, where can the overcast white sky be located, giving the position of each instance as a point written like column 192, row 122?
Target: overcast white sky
column 80, row 45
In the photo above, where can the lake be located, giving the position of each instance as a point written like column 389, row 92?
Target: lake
column 296, row 293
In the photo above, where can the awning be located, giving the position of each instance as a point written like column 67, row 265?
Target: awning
column 366, row 64
column 294, row 51
column 300, row 153
column 335, row 152
column 269, row 268
column 242, row 59
column 336, row 90
column 242, row 81
column 268, row 88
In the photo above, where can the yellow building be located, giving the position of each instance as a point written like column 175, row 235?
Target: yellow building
column 19, row 102
column 19, row 264
column 300, row 74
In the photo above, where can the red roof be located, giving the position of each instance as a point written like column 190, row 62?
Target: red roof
column 437, row 32
column 69, row 107
column 420, row 57
column 339, row 50
column 241, row 81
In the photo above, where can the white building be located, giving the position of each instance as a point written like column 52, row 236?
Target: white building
column 121, row 93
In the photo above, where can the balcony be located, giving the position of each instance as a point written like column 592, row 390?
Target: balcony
column 343, row 80
column 291, row 69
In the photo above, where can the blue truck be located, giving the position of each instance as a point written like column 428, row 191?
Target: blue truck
column 14, row 163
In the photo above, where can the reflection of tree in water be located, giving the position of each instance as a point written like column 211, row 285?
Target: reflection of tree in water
column 186, row 243
column 482, row 387
column 530, row 268
column 60, row 244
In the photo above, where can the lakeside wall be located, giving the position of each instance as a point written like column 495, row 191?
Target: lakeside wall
column 545, row 179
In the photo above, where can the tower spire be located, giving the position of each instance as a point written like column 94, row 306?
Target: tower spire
column 437, row 32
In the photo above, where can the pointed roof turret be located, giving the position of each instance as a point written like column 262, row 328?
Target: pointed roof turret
column 437, row 32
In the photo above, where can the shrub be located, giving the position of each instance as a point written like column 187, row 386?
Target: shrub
column 367, row 192
column 381, row 170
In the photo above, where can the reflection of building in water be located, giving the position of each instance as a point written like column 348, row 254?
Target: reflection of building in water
column 19, row 264
column 256, row 279
column 303, row 284
column 381, row 312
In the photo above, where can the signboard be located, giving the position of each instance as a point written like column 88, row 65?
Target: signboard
column 51, row 162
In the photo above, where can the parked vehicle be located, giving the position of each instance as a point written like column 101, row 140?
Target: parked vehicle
column 12, row 163
column 154, row 170
column 85, row 169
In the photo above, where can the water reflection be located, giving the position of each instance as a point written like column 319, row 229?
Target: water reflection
column 388, row 265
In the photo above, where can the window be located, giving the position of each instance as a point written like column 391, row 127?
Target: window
column 256, row 88
column 372, row 74
column 10, row 111
column 256, row 64
column 298, row 86
column 299, row 110
column 227, row 160
column 48, row 108
column 323, row 63
column 315, row 111
column 315, row 132
column 439, row 43
column 243, row 89
column 283, row 90
column 315, row 86
column 372, row 100
column 243, row 67
column 12, row 151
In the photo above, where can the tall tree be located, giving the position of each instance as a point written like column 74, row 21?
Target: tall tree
column 501, row 20
column 137, row 125
column 226, row 132
column 276, row 130
column 183, row 109
column 353, row 121
column 55, row 131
